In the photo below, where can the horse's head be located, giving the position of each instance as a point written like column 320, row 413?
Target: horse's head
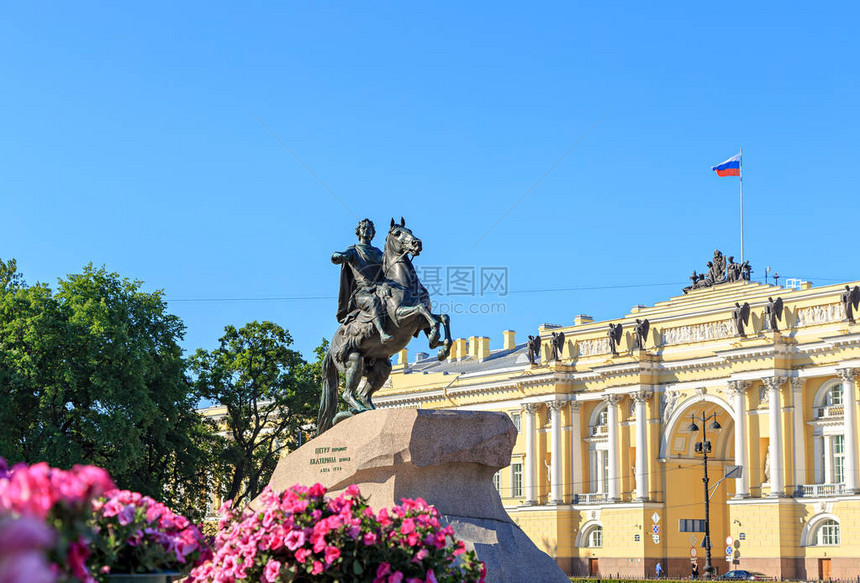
column 401, row 241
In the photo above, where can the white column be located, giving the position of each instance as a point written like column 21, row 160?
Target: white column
column 737, row 391
column 641, row 399
column 777, row 464
column 799, row 435
column 531, row 454
column 555, row 492
column 849, row 404
column 612, row 423
column 576, row 472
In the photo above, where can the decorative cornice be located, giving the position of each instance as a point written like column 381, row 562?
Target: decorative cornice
column 555, row 405
column 754, row 352
column 626, row 368
column 843, row 340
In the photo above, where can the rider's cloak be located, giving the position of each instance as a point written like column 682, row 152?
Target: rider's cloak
column 368, row 260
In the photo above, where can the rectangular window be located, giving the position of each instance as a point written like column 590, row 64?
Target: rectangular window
column 515, row 417
column 497, row 482
column 838, row 459
column 691, row 525
column 829, row 534
column 605, row 470
column 835, row 396
column 516, row 480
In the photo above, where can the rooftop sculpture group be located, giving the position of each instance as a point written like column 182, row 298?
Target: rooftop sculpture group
column 381, row 306
column 720, row 271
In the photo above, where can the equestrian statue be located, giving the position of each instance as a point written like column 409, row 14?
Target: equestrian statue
column 381, row 307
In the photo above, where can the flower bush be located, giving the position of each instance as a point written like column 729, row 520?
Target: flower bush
column 301, row 536
column 60, row 500
column 136, row 534
column 75, row 526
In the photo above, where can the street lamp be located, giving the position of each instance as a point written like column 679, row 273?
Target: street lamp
column 704, row 447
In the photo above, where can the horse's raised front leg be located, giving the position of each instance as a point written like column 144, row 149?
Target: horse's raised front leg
column 352, row 377
column 375, row 376
column 433, row 336
column 404, row 312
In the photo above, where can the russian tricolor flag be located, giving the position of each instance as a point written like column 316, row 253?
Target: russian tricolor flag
column 731, row 167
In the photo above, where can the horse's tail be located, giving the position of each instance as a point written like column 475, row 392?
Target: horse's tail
column 328, row 398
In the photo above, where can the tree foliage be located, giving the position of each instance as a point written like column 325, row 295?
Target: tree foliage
column 269, row 393
column 93, row 373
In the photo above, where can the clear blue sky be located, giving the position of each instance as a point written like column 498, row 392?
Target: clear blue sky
column 129, row 136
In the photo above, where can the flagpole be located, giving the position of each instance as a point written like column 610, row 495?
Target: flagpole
column 742, row 205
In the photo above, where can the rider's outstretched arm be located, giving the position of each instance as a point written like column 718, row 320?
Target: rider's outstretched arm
column 338, row 258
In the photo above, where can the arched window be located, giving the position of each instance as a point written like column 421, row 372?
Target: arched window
column 828, row 400
column 828, row 439
column 833, row 396
column 594, row 538
column 599, row 452
column 599, row 421
column 827, row 534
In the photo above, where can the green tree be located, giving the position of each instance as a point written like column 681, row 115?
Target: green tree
column 270, row 395
column 94, row 374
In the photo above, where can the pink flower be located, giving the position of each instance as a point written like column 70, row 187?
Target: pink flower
column 302, row 554
column 407, row 526
column 331, row 555
column 97, row 480
column 431, row 577
column 316, row 491
column 295, row 539
column 396, row 577
column 22, row 559
column 126, row 516
column 24, row 534
column 317, row 568
column 352, row 491
column 273, row 569
column 420, row 555
column 383, row 569
column 370, row 539
column 76, row 559
column 26, row 567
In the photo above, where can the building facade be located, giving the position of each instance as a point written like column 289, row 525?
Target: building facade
column 606, row 475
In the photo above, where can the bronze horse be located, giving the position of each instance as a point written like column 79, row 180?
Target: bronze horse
column 357, row 350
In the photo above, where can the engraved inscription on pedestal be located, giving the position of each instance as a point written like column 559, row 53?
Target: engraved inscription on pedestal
column 329, row 459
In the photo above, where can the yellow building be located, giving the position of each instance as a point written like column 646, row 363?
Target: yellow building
column 605, row 476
